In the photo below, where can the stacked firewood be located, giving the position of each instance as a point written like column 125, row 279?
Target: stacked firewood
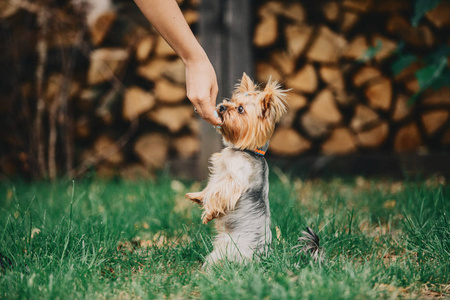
column 155, row 97
column 125, row 92
column 336, row 57
column 109, row 93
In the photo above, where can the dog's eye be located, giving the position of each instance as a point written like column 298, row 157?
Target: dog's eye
column 240, row 109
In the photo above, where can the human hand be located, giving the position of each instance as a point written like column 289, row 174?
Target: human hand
column 202, row 88
column 201, row 81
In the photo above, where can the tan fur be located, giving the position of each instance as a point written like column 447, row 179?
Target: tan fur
column 223, row 190
column 246, row 85
column 249, row 130
column 262, row 110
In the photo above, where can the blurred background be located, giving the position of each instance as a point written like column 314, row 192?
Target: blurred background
column 90, row 86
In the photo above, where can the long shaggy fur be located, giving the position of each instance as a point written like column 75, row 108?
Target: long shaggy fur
column 237, row 193
column 262, row 110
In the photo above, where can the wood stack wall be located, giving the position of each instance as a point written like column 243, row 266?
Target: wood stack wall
column 115, row 91
column 125, row 92
column 342, row 101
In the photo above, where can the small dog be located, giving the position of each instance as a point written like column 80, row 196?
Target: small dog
column 237, row 193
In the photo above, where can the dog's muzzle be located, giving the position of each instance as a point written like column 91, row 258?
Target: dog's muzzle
column 222, row 109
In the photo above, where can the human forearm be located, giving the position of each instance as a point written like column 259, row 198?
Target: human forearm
column 167, row 18
column 201, row 82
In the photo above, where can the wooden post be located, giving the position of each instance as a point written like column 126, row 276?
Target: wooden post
column 239, row 36
column 225, row 34
column 211, row 39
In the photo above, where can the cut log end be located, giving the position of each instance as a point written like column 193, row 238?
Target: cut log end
column 105, row 63
column 266, row 31
column 340, row 142
column 434, row 120
column 172, row 117
column 363, row 117
column 305, row 80
column 100, row 28
column 327, row 46
column 186, row 146
column 287, row 142
column 136, row 102
column 167, row 92
column 408, row 139
column 374, row 137
column 324, row 107
column 106, row 149
column 144, row 48
column 379, row 94
column 152, row 149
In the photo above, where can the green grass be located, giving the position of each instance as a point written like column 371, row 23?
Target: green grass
column 114, row 239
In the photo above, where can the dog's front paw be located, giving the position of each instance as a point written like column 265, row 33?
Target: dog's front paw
column 195, row 197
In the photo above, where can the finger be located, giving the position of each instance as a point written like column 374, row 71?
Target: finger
column 206, row 110
column 214, row 92
column 213, row 99
column 208, row 115
column 197, row 104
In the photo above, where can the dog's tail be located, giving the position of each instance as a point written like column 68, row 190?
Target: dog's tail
column 309, row 244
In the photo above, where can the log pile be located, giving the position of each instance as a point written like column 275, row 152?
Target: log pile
column 126, row 94
column 112, row 89
column 155, row 97
column 351, row 102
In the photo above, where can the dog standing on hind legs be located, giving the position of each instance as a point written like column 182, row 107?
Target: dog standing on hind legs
column 237, row 193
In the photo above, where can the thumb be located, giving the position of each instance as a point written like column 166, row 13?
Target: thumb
column 211, row 116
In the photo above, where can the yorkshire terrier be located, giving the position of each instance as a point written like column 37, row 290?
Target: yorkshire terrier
column 237, row 193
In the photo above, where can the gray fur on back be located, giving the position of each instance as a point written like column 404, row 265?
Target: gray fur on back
column 245, row 230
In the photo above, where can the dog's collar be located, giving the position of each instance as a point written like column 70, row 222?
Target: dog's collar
column 260, row 151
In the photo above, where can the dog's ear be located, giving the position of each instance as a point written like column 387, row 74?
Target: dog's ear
column 246, row 85
column 273, row 101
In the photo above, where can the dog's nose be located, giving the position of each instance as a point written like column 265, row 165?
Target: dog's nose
column 222, row 108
